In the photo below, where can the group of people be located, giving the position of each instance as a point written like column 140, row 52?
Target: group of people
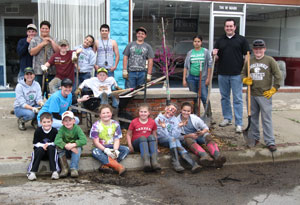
column 47, row 60
column 230, row 53
column 144, row 135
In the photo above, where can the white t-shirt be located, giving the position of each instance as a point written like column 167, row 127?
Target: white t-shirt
column 99, row 87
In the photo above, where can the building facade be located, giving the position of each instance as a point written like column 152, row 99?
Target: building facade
column 275, row 21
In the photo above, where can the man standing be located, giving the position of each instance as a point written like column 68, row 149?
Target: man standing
column 106, row 49
column 230, row 50
column 135, row 55
column 41, row 48
column 22, row 50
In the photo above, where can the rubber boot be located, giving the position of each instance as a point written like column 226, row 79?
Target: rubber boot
column 195, row 167
column 145, row 154
column 116, row 166
column 205, row 159
column 214, row 151
column 105, row 169
column 153, row 152
column 175, row 160
column 64, row 166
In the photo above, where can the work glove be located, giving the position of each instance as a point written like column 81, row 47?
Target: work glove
column 270, row 92
column 109, row 153
column 117, row 153
column 41, row 103
column 78, row 92
column 149, row 77
column 35, row 110
column 125, row 74
column 74, row 57
column 247, row 81
column 44, row 68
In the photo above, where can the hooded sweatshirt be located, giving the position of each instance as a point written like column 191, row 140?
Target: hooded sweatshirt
column 27, row 94
column 171, row 130
column 197, row 123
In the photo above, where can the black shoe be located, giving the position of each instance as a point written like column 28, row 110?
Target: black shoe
column 21, row 124
column 272, row 148
column 34, row 123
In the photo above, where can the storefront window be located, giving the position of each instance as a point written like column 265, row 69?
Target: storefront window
column 183, row 20
column 279, row 26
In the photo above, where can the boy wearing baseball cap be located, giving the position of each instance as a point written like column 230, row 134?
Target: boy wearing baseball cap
column 101, row 87
column 63, row 62
column 69, row 141
column 263, row 69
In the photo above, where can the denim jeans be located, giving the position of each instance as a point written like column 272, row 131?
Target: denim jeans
column 26, row 114
column 193, row 83
column 58, row 123
column 135, row 79
column 226, row 84
column 171, row 142
column 104, row 99
column 74, row 157
column 99, row 155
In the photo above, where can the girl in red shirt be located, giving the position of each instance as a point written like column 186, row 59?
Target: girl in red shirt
column 142, row 137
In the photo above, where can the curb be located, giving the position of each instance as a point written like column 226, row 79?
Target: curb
column 134, row 162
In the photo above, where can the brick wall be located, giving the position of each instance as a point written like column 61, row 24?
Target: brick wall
column 156, row 105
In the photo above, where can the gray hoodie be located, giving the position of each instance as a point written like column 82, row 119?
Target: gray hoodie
column 207, row 63
column 27, row 95
column 171, row 130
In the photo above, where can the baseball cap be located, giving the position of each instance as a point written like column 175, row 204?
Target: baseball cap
column 141, row 29
column 67, row 114
column 31, row 26
column 28, row 70
column 66, row 82
column 101, row 70
column 259, row 43
column 63, row 42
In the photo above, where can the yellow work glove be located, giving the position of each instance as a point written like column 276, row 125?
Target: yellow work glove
column 247, row 81
column 77, row 92
column 270, row 92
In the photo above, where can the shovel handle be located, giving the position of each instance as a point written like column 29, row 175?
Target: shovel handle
column 248, row 90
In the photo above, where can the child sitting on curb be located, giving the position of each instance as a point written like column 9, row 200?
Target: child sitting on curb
column 69, row 142
column 196, row 133
column 169, row 133
column 43, row 142
column 142, row 137
column 106, row 134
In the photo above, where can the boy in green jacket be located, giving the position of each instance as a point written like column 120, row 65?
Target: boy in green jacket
column 69, row 141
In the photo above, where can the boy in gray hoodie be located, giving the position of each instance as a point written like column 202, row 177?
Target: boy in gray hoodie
column 28, row 99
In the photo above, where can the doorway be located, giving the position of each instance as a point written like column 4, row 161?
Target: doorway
column 14, row 30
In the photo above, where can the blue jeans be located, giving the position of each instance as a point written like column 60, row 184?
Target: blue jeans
column 193, row 83
column 74, row 157
column 26, row 114
column 81, row 78
column 104, row 99
column 226, row 84
column 99, row 155
column 171, row 142
column 58, row 123
column 135, row 79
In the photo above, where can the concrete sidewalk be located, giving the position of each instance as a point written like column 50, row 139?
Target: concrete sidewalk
column 16, row 146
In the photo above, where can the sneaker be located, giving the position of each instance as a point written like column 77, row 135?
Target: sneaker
column 225, row 123
column 54, row 175
column 31, row 176
column 272, row 148
column 74, row 173
column 21, row 124
column 238, row 129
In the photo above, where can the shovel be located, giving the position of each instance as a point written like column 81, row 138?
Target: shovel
column 250, row 141
column 207, row 116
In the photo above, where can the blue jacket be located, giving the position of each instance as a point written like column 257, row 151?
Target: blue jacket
column 25, row 57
